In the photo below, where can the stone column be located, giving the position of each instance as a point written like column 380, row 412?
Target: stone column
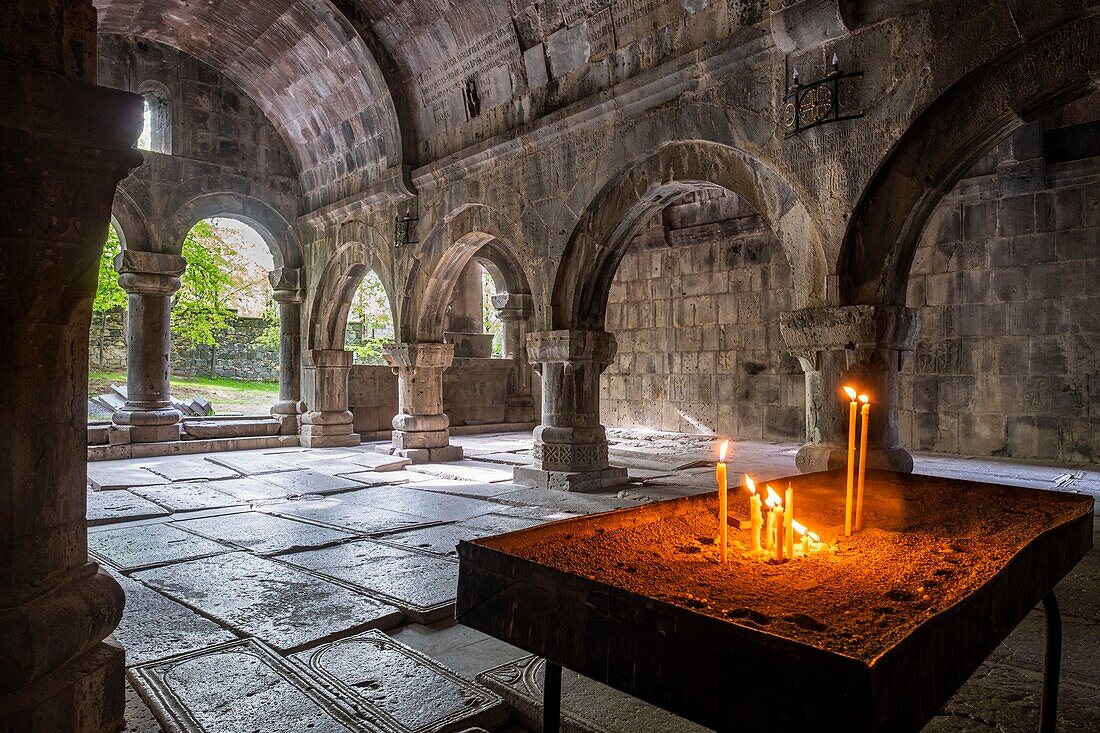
column 149, row 279
column 861, row 345
column 64, row 146
column 288, row 294
column 420, row 427
column 328, row 423
column 570, row 445
column 515, row 309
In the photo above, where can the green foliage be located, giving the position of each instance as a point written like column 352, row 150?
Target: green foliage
column 493, row 324
column 369, row 351
column 371, row 305
column 109, row 295
column 269, row 337
column 214, row 275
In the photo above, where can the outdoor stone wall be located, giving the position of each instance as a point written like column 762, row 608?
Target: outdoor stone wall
column 1008, row 357
column 695, row 309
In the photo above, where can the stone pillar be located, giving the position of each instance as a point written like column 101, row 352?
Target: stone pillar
column 64, row 146
column 861, row 345
column 328, row 423
column 288, row 294
column 420, row 428
column 515, row 309
column 570, row 445
column 150, row 280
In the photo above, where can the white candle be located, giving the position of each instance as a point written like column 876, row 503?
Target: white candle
column 723, row 507
column 865, row 413
column 851, row 460
column 756, row 515
column 788, row 524
column 780, row 540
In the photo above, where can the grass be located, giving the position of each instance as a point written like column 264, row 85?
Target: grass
column 227, row 395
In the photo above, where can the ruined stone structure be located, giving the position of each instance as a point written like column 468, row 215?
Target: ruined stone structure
column 666, row 256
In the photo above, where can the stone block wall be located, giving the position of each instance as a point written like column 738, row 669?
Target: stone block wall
column 1008, row 358
column 695, row 309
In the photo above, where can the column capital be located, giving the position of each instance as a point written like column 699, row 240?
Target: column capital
column 513, row 306
column 322, row 358
column 149, row 273
column 865, row 332
column 416, row 355
column 287, row 284
column 572, row 346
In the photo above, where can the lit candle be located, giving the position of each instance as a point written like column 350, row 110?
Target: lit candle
column 769, row 531
column 723, row 508
column 756, row 515
column 865, row 413
column 788, row 526
column 851, row 460
column 780, row 539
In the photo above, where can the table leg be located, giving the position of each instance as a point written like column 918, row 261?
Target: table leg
column 551, row 698
column 1048, row 707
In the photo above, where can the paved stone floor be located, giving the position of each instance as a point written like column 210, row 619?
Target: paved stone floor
column 294, row 589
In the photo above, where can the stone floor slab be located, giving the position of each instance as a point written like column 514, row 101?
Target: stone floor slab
column 467, row 488
column 187, row 496
column 564, row 501
column 401, row 687
column 190, row 469
column 287, row 608
column 240, row 687
column 105, row 507
column 338, row 512
column 416, row 502
column 249, row 489
column 145, row 545
column 460, row 648
column 379, row 461
column 442, row 539
column 265, row 534
column 301, row 483
column 465, row 470
column 110, row 475
column 422, row 586
column 154, row 627
column 507, row 459
column 254, row 463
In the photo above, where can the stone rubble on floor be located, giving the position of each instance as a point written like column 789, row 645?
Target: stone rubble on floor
column 286, row 590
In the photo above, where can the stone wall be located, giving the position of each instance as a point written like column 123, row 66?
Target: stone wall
column 1008, row 358
column 695, row 309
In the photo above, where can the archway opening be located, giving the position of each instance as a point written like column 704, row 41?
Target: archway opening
column 370, row 321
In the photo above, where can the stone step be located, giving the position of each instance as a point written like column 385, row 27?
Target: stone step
column 586, row 706
column 234, row 428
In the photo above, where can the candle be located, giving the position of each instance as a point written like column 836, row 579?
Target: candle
column 851, row 460
column 723, row 508
column 756, row 515
column 806, row 544
column 769, row 532
column 780, row 539
column 862, row 460
column 788, row 526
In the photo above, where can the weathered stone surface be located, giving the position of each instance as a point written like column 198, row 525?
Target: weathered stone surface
column 442, row 539
column 410, row 500
column 249, row 489
column 264, row 534
column 105, row 507
column 155, row 627
column 465, row 488
column 283, row 606
column 256, row 690
column 423, row 587
column 107, row 475
column 254, row 463
column 187, row 496
column 465, row 471
column 337, row 512
column 130, row 548
column 379, row 462
column 298, row 483
column 393, row 683
column 190, row 469
column 467, row 651
column 139, row 718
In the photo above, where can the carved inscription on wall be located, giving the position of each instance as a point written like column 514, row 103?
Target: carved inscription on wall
column 483, row 54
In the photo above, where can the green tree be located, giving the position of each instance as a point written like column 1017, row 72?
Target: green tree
column 493, row 324
column 269, row 337
column 109, row 295
column 201, row 312
column 371, row 309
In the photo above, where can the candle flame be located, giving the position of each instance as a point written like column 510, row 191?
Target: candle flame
column 722, row 452
column 773, row 497
column 799, row 526
column 813, row 536
column 851, row 393
column 864, row 399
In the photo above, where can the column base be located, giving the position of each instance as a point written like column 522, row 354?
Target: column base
column 327, row 436
column 820, row 457
column 579, row 481
column 441, row 454
column 123, row 434
column 86, row 696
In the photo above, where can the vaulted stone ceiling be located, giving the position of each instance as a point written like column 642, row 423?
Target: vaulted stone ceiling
column 302, row 62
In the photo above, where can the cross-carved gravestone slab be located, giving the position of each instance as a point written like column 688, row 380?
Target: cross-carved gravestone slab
column 421, row 585
column 263, row 533
column 105, row 507
column 240, row 687
column 285, row 607
column 155, row 627
column 145, row 545
column 401, row 687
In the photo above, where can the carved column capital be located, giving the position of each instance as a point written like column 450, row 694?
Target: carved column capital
column 564, row 346
column 417, row 355
column 867, row 334
column 513, row 306
column 287, row 284
column 149, row 273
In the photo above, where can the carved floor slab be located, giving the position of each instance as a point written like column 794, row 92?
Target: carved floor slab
column 240, row 687
column 145, row 545
column 422, row 586
column 401, row 687
column 287, row 608
column 265, row 534
column 105, row 507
